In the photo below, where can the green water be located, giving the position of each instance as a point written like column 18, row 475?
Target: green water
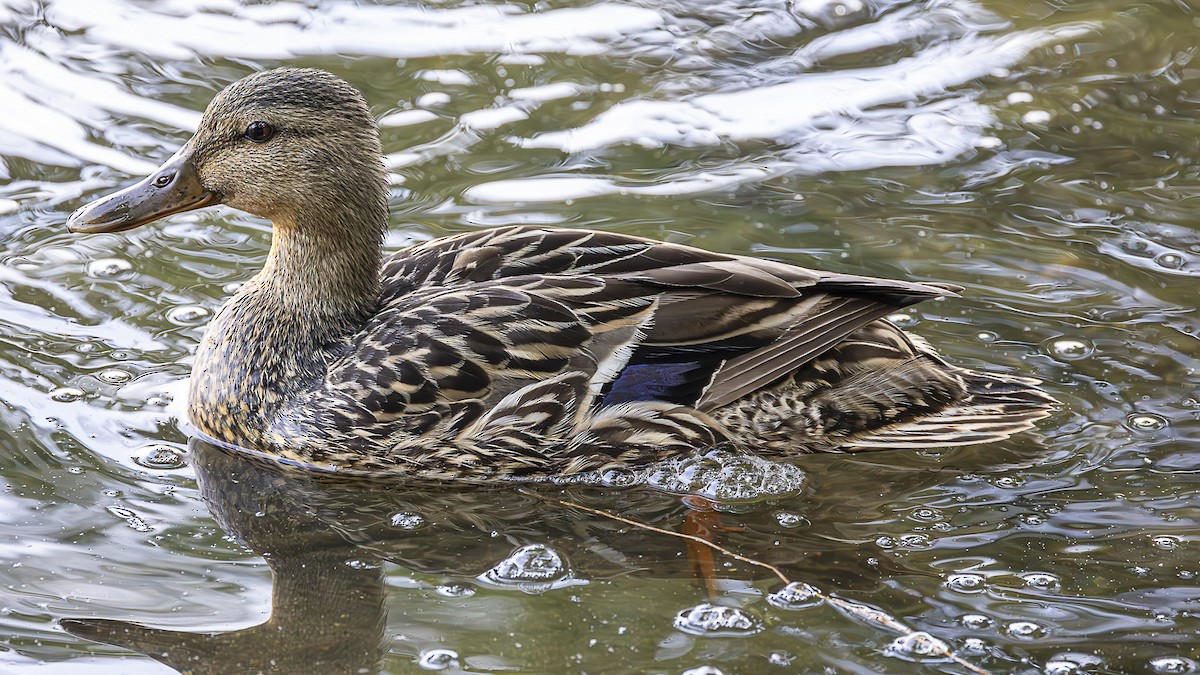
column 1044, row 155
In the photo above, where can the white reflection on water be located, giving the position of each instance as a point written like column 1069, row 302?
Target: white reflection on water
column 180, row 29
column 831, row 121
column 903, row 113
column 937, row 20
column 18, row 315
column 48, row 111
column 51, row 111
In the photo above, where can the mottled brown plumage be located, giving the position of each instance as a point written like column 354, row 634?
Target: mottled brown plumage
column 524, row 351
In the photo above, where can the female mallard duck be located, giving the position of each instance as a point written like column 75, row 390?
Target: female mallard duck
column 523, row 351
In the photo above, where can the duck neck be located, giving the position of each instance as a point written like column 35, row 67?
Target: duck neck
column 323, row 269
column 274, row 339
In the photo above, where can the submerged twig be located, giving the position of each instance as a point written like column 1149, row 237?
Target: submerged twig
column 868, row 614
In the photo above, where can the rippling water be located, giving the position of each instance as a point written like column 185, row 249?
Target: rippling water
column 1042, row 154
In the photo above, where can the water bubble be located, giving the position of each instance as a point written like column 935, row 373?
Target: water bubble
column 727, row 476
column 1147, row 422
column 1008, row 482
column 781, row 658
column 986, row 336
column 786, row 519
column 405, row 520
column 974, row 647
column 1019, row 97
column 534, row 562
column 1059, row 667
column 912, row 541
column 108, row 268
column 1025, row 630
column 66, row 394
column 966, row 583
column 1041, row 580
column 438, row 659
column 618, row 478
column 1173, row 665
column 533, row 568
column 926, row 515
column 975, row 621
column 831, row 14
column 917, row 646
column 715, row 620
column 795, row 595
column 187, row 315
column 703, row 670
column 1071, row 349
column 1070, row 663
column 455, row 590
column 161, row 457
column 1171, row 261
column 114, row 376
column 1166, row 542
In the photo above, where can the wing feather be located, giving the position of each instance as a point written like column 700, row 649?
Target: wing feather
column 737, row 323
column 805, row 340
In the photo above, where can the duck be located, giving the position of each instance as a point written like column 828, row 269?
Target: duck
column 523, row 352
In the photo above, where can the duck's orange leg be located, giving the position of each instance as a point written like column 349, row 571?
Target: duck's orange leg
column 704, row 522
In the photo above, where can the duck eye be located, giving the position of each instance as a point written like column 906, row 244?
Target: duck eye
column 259, row 132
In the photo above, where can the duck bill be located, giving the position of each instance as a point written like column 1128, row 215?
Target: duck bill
column 173, row 188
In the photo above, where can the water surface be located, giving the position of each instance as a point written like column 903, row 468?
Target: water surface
column 1041, row 154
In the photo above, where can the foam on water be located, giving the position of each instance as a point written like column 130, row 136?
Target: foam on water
column 727, row 476
column 723, row 475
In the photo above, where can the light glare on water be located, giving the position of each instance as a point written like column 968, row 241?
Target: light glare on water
column 1042, row 155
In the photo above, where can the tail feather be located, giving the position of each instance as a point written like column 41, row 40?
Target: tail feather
column 996, row 407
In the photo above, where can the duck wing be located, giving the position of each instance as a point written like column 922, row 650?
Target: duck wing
column 498, row 253
column 756, row 321
column 710, row 327
column 612, row 340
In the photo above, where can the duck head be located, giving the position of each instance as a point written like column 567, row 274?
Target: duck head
column 281, row 144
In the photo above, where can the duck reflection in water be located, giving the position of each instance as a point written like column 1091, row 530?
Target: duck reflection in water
column 325, row 540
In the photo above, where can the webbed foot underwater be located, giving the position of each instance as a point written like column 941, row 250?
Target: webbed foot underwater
column 523, row 352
